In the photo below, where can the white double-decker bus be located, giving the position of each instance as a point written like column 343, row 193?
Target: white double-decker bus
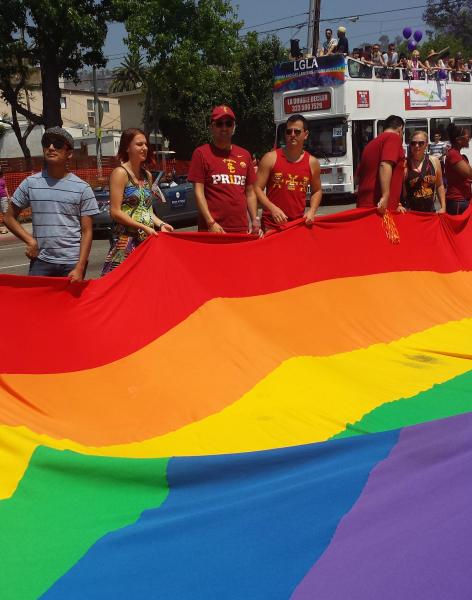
column 346, row 102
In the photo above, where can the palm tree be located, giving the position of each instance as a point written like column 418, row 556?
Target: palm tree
column 130, row 75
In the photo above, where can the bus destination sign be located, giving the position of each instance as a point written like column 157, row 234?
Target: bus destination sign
column 307, row 103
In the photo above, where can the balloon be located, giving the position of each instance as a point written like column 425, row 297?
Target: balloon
column 407, row 32
column 418, row 35
column 411, row 45
column 442, row 74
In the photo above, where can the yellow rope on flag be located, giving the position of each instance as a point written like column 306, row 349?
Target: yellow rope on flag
column 390, row 228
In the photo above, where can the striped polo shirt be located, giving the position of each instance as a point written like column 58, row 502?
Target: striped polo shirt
column 56, row 208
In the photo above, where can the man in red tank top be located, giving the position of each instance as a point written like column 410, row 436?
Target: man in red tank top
column 223, row 178
column 286, row 173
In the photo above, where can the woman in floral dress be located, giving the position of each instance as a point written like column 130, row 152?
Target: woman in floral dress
column 131, row 199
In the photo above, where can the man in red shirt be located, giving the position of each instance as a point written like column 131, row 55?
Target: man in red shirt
column 381, row 170
column 223, row 179
column 458, row 171
column 286, row 174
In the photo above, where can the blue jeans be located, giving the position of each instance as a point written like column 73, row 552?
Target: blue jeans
column 46, row 269
column 456, row 207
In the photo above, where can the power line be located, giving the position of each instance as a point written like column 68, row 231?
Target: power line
column 341, row 18
column 274, row 21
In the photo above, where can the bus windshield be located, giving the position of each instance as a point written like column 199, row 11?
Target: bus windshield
column 327, row 137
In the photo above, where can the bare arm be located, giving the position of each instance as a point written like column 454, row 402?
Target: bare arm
column 78, row 272
column 316, row 191
column 11, row 221
column 263, row 173
column 159, row 223
column 251, row 200
column 203, row 209
column 462, row 168
column 440, row 190
column 118, row 180
column 385, row 178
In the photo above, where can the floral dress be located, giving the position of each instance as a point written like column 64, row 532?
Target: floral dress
column 137, row 204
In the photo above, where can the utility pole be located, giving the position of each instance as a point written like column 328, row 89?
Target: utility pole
column 98, row 123
column 314, row 27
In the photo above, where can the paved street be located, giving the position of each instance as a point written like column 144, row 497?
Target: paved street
column 14, row 262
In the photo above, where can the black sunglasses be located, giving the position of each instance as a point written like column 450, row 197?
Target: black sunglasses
column 58, row 143
column 227, row 123
column 421, row 143
column 291, row 130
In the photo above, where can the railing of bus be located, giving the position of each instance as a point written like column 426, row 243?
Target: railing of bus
column 360, row 70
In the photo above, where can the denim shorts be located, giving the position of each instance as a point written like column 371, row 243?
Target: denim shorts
column 42, row 268
column 3, row 204
column 457, row 207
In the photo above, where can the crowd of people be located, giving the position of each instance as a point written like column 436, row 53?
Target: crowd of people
column 390, row 181
column 388, row 61
column 227, row 189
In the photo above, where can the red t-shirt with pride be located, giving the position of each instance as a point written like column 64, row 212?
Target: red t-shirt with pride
column 225, row 175
column 386, row 147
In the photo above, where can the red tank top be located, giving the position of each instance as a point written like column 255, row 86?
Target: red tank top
column 287, row 187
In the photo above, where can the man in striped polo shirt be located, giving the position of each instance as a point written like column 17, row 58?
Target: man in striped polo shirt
column 62, row 206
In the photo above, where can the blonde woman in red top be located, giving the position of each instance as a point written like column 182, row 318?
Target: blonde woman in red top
column 286, row 174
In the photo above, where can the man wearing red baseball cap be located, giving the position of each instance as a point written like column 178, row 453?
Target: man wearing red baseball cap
column 223, row 176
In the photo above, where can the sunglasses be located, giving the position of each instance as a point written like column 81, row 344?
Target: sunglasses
column 291, row 131
column 227, row 123
column 422, row 143
column 58, row 143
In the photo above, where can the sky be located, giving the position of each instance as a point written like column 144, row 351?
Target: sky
column 257, row 13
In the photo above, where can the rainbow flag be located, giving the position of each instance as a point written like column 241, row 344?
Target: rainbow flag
column 281, row 418
column 306, row 73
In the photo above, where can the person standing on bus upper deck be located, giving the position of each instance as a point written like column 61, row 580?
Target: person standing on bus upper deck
column 377, row 58
column 380, row 172
column 342, row 46
column 329, row 44
column 391, row 56
column 286, row 173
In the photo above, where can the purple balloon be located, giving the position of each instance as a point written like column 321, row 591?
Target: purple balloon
column 418, row 35
column 407, row 32
column 411, row 45
column 442, row 74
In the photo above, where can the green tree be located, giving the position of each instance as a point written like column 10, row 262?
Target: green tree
column 451, row 18
column 252, row 97
column 440, row 41
column 130, row 75
column 60, row 37
column 191, row 47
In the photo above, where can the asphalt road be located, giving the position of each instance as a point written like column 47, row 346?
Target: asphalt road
column 14, row 262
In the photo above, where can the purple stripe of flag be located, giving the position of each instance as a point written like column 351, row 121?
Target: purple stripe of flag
column 409, row 534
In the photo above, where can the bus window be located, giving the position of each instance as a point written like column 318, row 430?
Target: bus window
column 359, row 70
column 327, row 137
column 380, row 126
column 412, row 125
column 281, row 136
column 438, row 125
column 465, row 123
column 362, row 134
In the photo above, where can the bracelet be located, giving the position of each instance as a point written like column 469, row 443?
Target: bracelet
column 211, row 223
column 161, row 225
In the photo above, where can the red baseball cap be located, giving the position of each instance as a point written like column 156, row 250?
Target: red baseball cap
column 222, row 111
